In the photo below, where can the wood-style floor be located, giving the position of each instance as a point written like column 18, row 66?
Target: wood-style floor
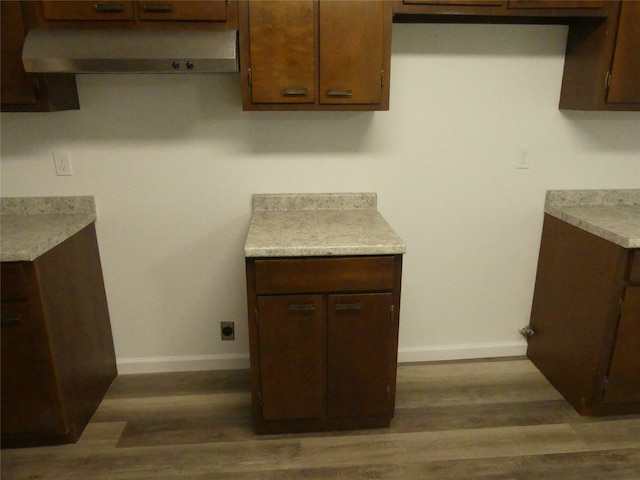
column 492, row 419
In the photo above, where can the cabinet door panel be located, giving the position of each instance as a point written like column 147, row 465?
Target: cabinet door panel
column 351, row 51
column 472, row 3
column 282, row 50
column 625, row 71
column 360, row 363
column 30, row 403
column 634, row 269
column 292, row 356
column 556, row 3
column 17, row 85
column 624, row 370
column 86, row 10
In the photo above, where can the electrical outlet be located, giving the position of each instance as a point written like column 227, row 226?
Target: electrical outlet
column 62, row 161
column 227, row 331
column 523, row 158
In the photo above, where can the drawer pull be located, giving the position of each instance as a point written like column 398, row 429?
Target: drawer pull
column 10, row 319
column 348, row 306
column 109, row 7
column 294, row 92
column 339, row 93
column 302, row 307
column 157, row 7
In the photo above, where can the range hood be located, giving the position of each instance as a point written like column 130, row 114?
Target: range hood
column 130, row 51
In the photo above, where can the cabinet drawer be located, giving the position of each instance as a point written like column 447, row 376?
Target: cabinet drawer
column 634, row 269
column 13, row 285
column 84, row 10
column 306, row 275
column 204, row 11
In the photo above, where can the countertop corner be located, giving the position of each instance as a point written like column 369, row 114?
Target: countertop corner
column 31, row 226
column 610, row 214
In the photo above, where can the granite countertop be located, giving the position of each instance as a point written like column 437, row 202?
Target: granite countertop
column 32, row 226
column 610, row 214
column 293, row 225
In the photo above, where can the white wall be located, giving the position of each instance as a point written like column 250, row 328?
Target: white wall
column 172, row 162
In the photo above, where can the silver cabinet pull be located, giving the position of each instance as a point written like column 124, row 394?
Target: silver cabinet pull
column 348, row 306
column 302, row 307
column 339, row 93
column 157, row 7
column 109, row 7
column 294, row 92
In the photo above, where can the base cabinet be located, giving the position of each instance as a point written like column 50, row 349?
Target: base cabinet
column 58, row 358
column 324, row 354
column 586, row 319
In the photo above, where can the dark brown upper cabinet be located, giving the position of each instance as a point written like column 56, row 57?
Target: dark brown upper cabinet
column 602, row 65
column 169, row 14
column 22, row 91
column 315, row 54
column 503, row 10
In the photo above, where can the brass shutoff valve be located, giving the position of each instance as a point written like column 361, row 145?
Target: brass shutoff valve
column 527, row 331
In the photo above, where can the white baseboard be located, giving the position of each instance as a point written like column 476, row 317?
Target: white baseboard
column 237, row 361
column 185, row 363
column 462, row 351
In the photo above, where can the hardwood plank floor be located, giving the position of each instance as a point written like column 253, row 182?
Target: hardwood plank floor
column 491, row 420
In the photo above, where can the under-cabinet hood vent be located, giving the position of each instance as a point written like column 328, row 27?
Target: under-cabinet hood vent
column 130, row 51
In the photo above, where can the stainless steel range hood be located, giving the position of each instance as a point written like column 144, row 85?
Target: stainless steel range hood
column 130, row 51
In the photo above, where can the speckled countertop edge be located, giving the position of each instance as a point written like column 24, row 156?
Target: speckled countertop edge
column 31, row 226
column 313, row 201
column 319, row 225
column 610, row 214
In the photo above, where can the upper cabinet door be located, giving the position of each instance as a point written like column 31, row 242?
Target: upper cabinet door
column 17, row 85
column 576, row 4
column 315, row 54
column 282, row 52
column 352, row 52
column 85, row 10
column 624, row 86
column 472, row 3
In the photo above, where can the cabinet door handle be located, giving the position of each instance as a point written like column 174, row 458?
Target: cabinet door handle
column 295, row 92
column 109, row 7
column 157, row 7
column 348, row 306
column 339, row 93
column 302, row 307
column 10, row 319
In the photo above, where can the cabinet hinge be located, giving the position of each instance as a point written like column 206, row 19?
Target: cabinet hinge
column 620, row 303
column 605, row 383
column 255, row 316
column 250, row 77
column 36, row 82
column 392, row 310
column 382, row 78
